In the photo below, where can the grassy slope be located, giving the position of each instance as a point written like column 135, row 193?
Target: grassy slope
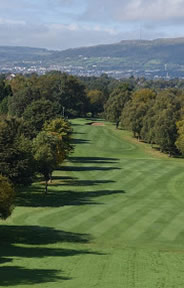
column 114, row 218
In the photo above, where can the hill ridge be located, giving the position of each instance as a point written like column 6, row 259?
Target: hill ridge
column 162, row 57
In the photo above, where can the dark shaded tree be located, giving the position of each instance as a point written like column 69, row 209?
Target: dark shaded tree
column 16, row 161
column 6, row 198
column 36, row 114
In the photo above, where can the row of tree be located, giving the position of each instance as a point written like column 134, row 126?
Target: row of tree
column 22, row 158
column 154, row 116
column 34, row 137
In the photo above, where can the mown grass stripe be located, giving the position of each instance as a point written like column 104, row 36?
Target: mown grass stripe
column 134, row 231
column 174, row 227
column 124, row 222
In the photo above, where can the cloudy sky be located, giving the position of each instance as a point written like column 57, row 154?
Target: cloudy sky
column 62, row 24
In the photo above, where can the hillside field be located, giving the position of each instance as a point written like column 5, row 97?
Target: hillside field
column 113, row 218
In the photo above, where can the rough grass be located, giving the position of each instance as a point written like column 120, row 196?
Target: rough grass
column 113, row 218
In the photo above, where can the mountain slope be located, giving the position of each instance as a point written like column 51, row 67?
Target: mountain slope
column 139, row 56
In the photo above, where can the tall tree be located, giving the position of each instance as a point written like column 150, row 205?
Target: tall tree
column 117, row 100
column 133, row 115
column 180, row 139
column 6, row 198
column 167, row 109
column 36, row 114
column 61, row 129
column 45, row 155
column 16, row 161
column 73, row 98
column 96, row 101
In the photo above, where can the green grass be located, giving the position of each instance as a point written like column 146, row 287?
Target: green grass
column 113, row 218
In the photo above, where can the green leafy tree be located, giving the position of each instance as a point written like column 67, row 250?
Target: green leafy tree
column 165, row 131
column 116, row 101
column 36, row 114
column 5, row 89
column 16, row 161
column 4, row 106
column 51, row 147
column 73, row 98
column 180, row 139
column 5, row 92
column 6, row 198
column 20, row 100
column 133, row 115
column 96, row 101
column 167, row 109
column 61, row 129
column 148, row 122
column 45, row 155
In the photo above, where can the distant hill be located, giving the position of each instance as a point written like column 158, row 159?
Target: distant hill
column 160, row 57
column 9, row 54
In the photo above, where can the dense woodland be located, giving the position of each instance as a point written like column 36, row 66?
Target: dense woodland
column 35, row 132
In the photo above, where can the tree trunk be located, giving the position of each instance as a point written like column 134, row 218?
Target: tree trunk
column 46, row 187
column 50, row 178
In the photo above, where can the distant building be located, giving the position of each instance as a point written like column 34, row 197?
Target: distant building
column 10, row 76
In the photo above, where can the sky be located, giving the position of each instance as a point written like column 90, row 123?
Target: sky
column 63, row 24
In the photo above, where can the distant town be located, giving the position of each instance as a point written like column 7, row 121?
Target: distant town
column 25, row 68
column 160, row 58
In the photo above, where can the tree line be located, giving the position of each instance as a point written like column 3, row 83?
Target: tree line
column 155, row 116
column 34, row 135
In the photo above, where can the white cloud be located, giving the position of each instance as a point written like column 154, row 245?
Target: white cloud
column 4, row 21
column 63, row 27
column 134, row 10
column 152, row 10
column 61, row 24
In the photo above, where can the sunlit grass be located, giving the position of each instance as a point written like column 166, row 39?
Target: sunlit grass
column 113, row 218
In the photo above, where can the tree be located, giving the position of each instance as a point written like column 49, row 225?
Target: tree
column 180, row 140
column 51, row 147
column 20, row 100
column 133, row 115
column 5, row 92
column 5, row 89
column 16, row 161
column 116, row 102
column 61, row 129
column 96, row 100
column 6, row 197
column 45, row 154
column 36, row 114
column 103, row 83
column 167, row 109
column 165, row 131
column 73, row 96
column 4, row 106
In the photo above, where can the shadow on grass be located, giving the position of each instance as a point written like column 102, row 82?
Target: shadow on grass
column 33, row 197
column 27, row 242
column 87, row 168
column 95, row 119
column 78, row 133
column 44, row 235
column 75, row 182
column 75, row 124
column 14, row 275
column 96, row 160
column 80, row 141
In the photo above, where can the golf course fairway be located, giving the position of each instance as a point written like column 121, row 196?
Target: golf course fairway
column 113, row 218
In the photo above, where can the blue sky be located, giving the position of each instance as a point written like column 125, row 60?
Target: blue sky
column 62, row 24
